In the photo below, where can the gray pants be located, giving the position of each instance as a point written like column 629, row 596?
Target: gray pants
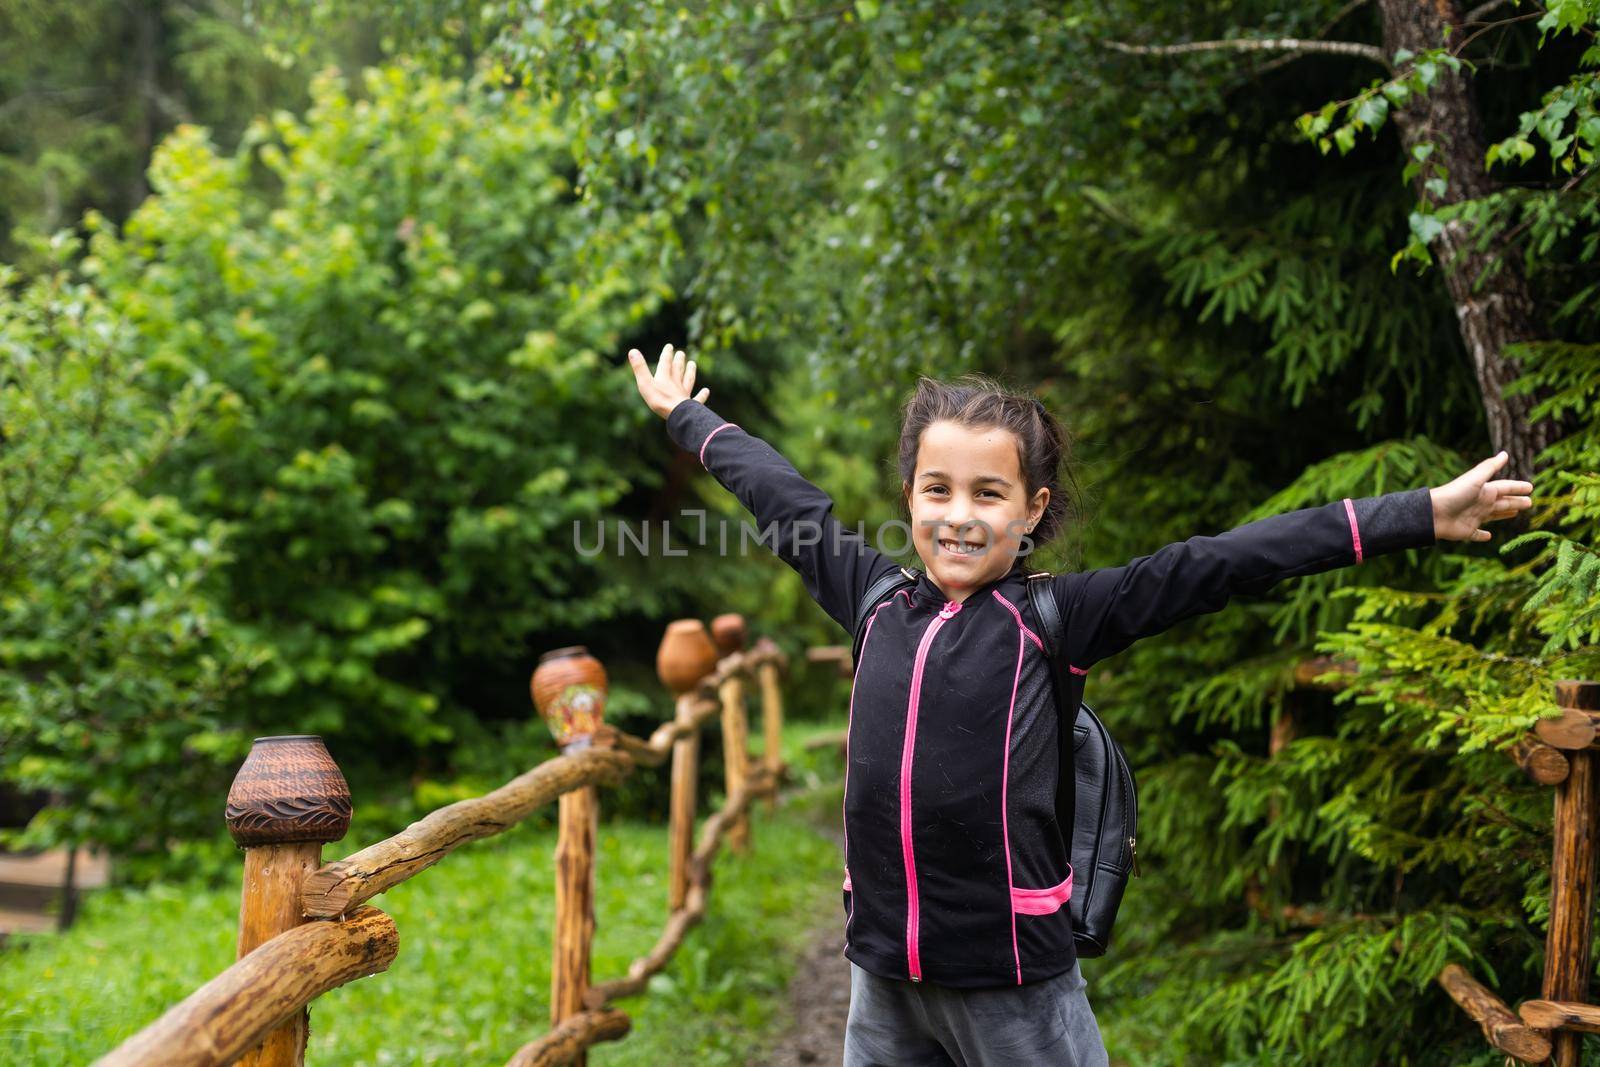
column 897, row 1023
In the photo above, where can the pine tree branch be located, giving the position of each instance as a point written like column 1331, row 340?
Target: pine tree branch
column 1257, row 44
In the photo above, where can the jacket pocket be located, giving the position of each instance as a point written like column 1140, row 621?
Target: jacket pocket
column 1042, row 901
column 1043, row 929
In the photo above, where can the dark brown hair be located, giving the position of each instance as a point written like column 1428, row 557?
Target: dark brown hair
column 979, row 402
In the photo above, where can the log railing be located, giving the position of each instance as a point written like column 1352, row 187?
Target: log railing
column 305, row 927
column 1560, row 752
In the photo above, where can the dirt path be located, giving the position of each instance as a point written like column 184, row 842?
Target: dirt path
column 819, row 999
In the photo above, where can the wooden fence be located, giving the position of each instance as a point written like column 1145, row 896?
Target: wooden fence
column 1559, row 753
column 305, row 926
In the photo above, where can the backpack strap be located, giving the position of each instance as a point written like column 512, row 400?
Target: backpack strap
column 1043, row 596
column 886, row 586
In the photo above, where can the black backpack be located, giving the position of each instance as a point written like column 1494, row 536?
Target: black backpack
column 1102, row 809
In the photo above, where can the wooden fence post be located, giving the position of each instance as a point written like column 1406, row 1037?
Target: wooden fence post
column 680, row 828
column 729, row 633
column 1572, row 876
column 569, row 688
column 771, row 718
column 286, row 800
column 686, row 655
column 574, row 927
column 736, row 756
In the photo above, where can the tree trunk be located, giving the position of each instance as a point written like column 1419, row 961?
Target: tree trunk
column 1499, row 309
column 146, row 45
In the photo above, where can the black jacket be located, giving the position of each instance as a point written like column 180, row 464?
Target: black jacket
column 954, row 868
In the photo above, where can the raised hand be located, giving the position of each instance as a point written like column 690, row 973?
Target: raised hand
column 671, row 383
column 1461, row 507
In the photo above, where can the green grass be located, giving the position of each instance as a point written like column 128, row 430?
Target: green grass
column 471, row 983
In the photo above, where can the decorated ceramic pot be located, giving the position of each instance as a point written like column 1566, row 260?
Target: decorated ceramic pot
column 686, row 655
column 288, row 789
column 569, row 689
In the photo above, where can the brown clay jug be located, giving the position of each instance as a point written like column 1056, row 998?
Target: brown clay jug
column 569, row 689
column 728, row 631
column 686, row 655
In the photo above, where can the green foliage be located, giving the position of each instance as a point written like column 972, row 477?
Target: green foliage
column 1217, row 316
column 87, row 89
column 1367, row 110
column 1567, row 121
column 848, row 196
column 408, row 346
column 405, row 354
column 115, row 658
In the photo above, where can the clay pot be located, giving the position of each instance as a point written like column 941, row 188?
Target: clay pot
column 686, row 655
column 728, row 632
column 569, row 689
column 288, row 789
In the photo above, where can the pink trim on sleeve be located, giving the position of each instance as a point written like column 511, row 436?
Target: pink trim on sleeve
column 707, row 441
column 1077, row 670
column 1355, row 531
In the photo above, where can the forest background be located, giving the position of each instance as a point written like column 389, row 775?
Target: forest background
column 310, row 358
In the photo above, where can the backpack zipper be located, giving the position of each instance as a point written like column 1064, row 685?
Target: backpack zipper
column 1131, row 800
column 913, row 959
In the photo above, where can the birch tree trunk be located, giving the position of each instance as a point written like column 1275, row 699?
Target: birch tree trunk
column 1492, row 310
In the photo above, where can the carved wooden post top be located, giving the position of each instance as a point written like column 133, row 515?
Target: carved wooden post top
column 288, row 789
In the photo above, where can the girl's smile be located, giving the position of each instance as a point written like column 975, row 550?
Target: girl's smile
column 969, row 505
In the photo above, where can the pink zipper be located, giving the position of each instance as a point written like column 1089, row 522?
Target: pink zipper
column 913, row 960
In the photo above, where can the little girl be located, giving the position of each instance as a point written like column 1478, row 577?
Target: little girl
column 956, row 877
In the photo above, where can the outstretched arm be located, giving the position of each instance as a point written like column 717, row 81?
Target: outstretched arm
column 793, row 517
column 1110, row 608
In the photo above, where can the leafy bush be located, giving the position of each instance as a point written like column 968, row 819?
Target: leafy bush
column 115, row 659
column 404, row 356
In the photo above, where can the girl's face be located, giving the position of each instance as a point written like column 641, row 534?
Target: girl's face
column 969, row 507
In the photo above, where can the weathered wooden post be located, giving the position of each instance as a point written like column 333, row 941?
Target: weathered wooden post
column 579, row 815
column 681, row 809
column 729, row 631
column 286, row 800
column 1572, row 870
column 569, row 689
column 771, row 714
column 686, row 655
